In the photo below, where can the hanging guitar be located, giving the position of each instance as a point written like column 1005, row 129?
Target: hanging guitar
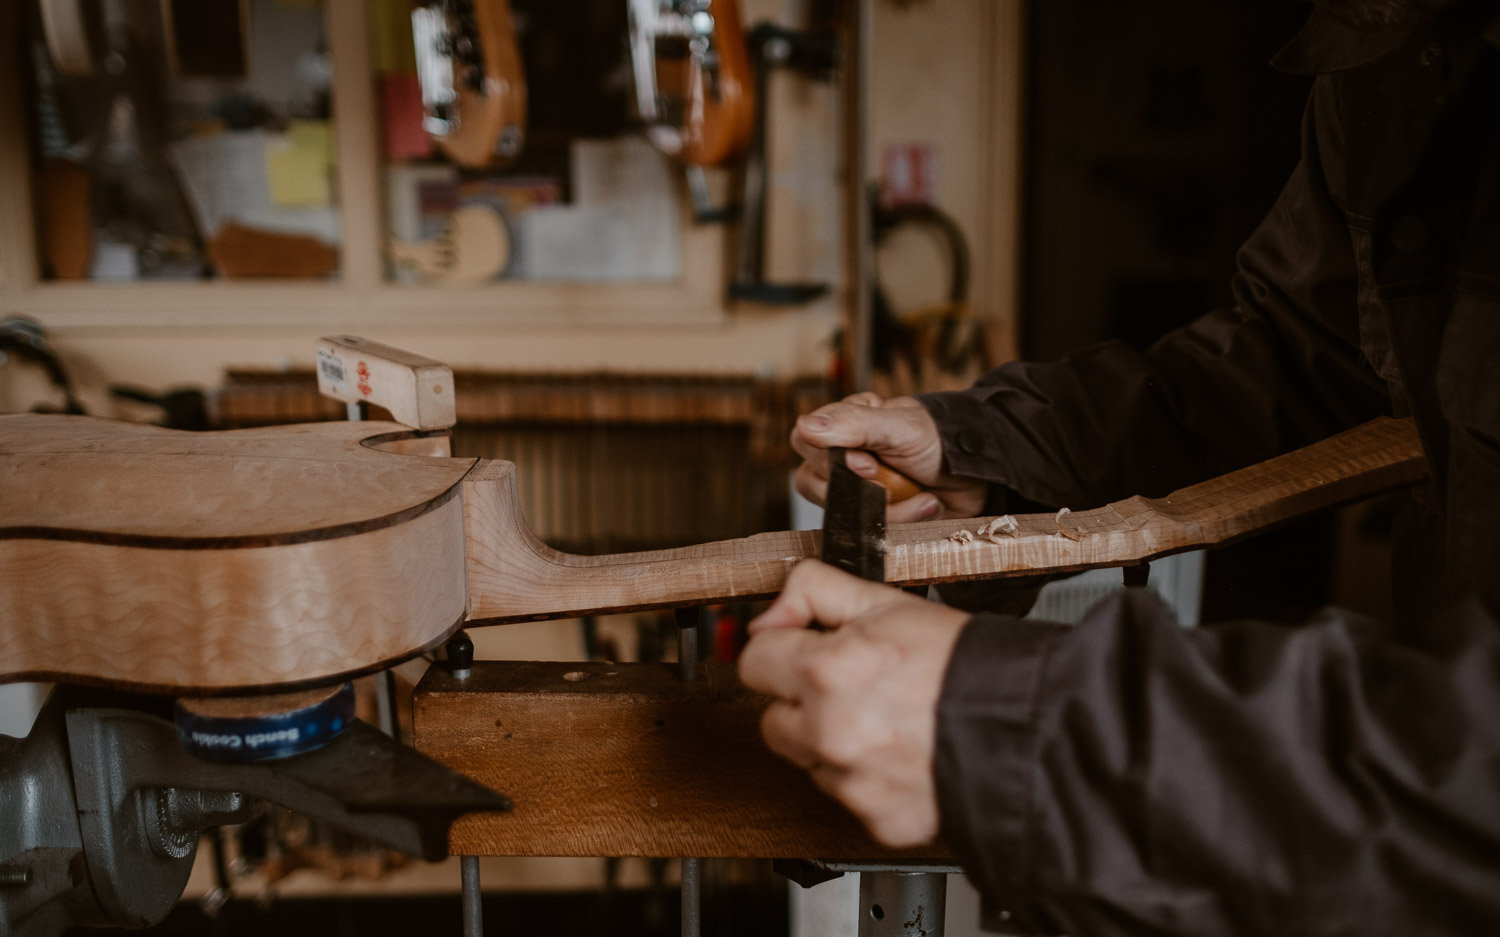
column 693, row 86
column 473, row 86
column 692, row 78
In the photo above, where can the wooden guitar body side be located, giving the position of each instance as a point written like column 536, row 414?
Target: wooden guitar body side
column 159, row 560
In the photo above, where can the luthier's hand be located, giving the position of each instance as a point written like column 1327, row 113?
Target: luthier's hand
column 856, row 705
column 902, row 434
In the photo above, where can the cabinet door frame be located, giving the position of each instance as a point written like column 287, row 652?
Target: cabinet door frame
column 359, row 294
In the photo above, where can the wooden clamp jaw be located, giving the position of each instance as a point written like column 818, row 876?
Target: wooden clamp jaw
column 417, row 391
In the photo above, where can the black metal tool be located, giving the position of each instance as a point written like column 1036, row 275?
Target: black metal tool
column 853, row 521
column 773, row 46
column 110, row 807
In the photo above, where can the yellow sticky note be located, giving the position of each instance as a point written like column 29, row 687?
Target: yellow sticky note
column 312, row 135
column 297, row 175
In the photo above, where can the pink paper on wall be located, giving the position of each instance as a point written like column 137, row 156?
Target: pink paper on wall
column 401, row 107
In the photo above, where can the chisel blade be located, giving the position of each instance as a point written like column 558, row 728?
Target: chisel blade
column 853, row 521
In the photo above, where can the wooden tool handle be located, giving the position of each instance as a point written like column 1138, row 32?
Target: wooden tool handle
column 898, row 486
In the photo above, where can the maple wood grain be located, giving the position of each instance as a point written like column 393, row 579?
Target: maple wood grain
column 81, row 478
column 513, row 576
column 160, row 560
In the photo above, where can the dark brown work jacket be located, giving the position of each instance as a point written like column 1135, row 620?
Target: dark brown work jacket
column 1339, row 777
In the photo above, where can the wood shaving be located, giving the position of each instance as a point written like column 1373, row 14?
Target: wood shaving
column 1069, row 532
column 1001, row 525
column 962, row 536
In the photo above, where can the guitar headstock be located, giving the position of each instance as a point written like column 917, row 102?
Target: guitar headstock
column 692, row 78
column 473, row 88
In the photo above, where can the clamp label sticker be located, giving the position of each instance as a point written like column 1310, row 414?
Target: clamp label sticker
column 331, row 372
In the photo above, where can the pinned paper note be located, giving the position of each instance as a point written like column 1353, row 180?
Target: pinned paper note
column 297, row 166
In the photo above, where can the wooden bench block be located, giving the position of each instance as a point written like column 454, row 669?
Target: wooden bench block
column 606, row 759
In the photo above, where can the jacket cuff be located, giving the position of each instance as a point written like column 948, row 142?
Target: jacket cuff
column 984, row 762
column 968, row 450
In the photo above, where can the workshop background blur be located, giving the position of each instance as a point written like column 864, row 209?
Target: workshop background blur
column 636, row 303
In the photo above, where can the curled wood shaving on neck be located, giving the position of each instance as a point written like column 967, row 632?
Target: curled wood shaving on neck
column 1005, row 524
column 1071, row 533
column 961, row 536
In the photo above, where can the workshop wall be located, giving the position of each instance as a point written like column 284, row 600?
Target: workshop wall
column 936, row 83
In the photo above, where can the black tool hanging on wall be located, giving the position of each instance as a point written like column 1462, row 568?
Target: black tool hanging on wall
column 893, row 335
column 773, row 46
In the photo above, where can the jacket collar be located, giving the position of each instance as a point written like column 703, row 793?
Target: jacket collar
column 1328, row 44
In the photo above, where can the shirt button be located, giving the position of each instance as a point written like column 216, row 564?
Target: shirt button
column 970, row 441
column 1410, row 234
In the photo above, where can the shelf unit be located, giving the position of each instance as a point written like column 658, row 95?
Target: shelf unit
column 359, row 292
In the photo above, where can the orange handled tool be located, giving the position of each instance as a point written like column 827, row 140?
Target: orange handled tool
column 898, row 487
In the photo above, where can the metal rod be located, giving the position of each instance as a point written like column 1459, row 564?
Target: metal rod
column 692, row 869
column 692, row 897
column 902, row 904
column 687, row 642
column 473, row 914
column 385, row 703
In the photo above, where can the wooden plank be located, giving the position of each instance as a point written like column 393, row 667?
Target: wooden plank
column 605, row 759
column 513, row 576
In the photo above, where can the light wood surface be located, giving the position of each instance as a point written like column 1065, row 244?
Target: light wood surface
column 606, row 759
column 513, row 576
column 417, row 391
column 76, row 478
column 161, row 560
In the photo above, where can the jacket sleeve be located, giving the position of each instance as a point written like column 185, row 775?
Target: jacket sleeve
column 1131, row 777
column 1279, row 369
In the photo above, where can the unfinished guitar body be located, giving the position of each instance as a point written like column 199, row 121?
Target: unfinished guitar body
column 213, row 562
column 162, row 560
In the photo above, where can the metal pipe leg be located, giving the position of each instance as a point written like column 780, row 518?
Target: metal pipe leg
column 473, row 914
column 687, row 642
column 385, row 703
column 692, row 892
column 692, row 869
column 902, row 904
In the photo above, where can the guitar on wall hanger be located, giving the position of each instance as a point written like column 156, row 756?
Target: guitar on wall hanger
column 473, row 86
column 692, row 78
column 693, row 85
